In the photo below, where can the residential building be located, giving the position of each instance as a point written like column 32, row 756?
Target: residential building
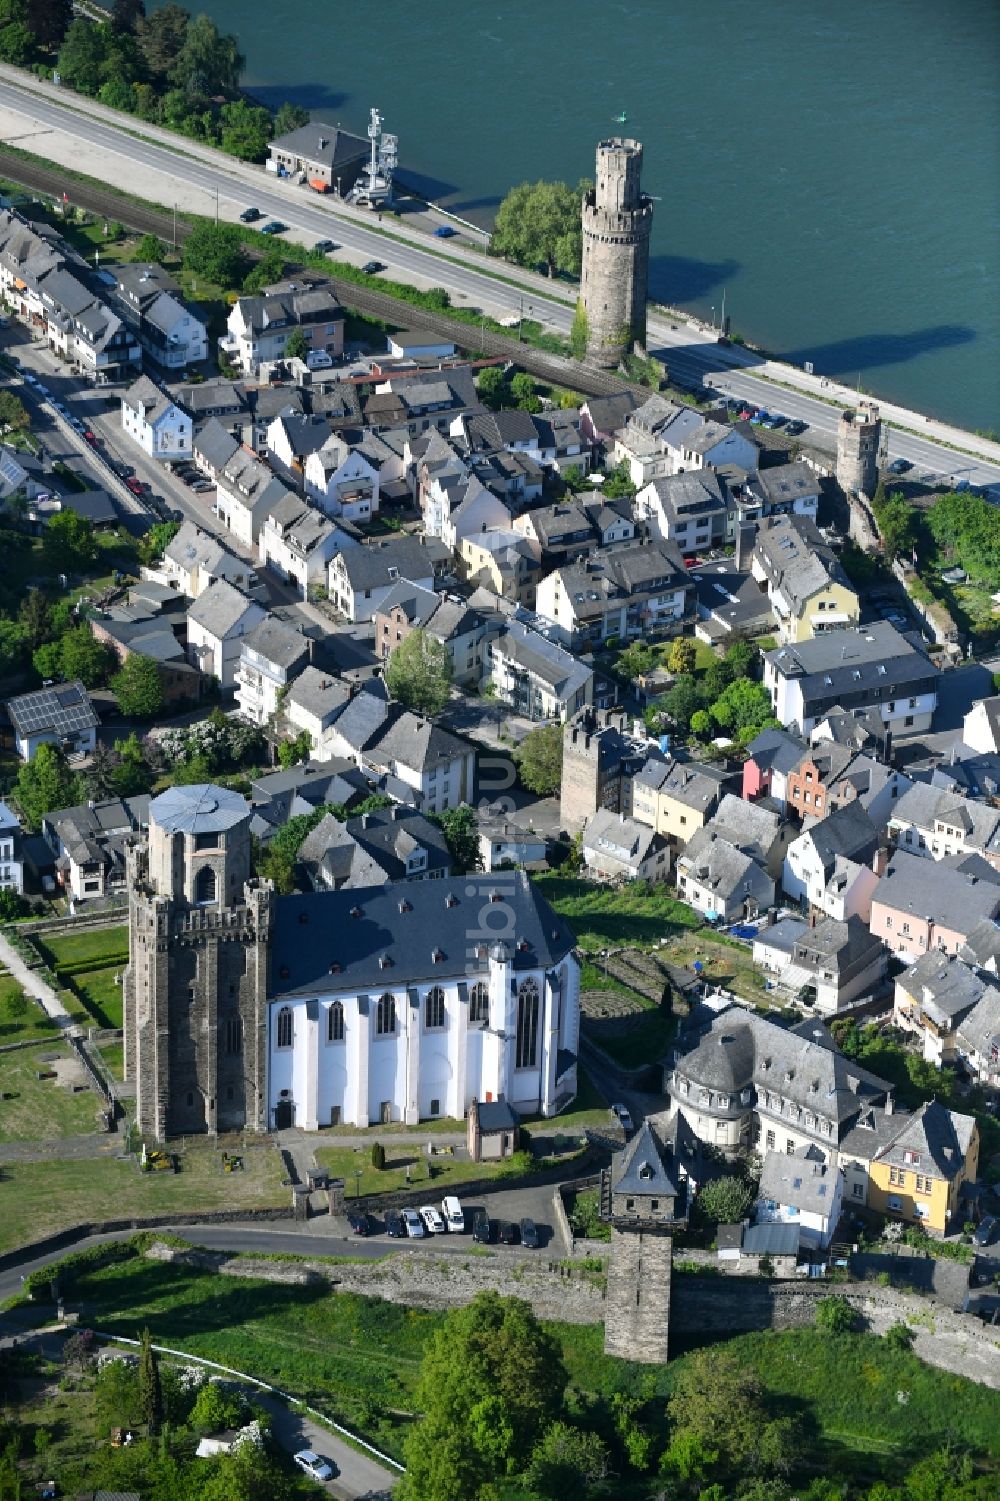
column 756, row 828
column 533, row 676
column 415, row 761
column 280, row 795
column 981, row 726
column 293, row 436
column 919, row 1175
column 979, row 1039
column 688, row 509
column 640, row 590
column 155, row 639
column 505, row 845
column 298, row 543
column 360, row 578
column 88, row 844
column 247, row 491
column 573, row 529
column 865, row 667
column 824, row 965
column 722, row 881
column 503, row 561
column 865, row 780
column 259, row 327
column 661, row 438
column 271, row 656
column 616, row 848
column 786, row 489
column 829, row 867
column 807, row 588
column 61, row 715
column 151, row 419
column 194, row 559
column 217, row 622
column 602, row 416
column 11, row 858
column 676, row 798
column 360, row 722
column 445, row 618
column 919, row 905
column 342, row 480
column 771, row 759
column 312, row 704
column 169, row 333
column 395, row 844
column 932, row 998
column 803, row 1190
column 934, row 822
column 462, row 507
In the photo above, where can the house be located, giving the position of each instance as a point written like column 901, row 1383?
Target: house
column 932, row 998
column 807, row 588
column 259, row 327
column 297, row 542
column 602, row 416
column 572, row 529
column 11, row 859
column 771, row 758
column 415, row 761
column 271, row 656
column 535, row 677
column 419, row 344
column 981, row 726
column 759, row 830
column 978, row 1038
column 643, row 1185
column 934, row 822
column 638, row 590
column 360, row 578
column 459, row 628
column 395, row 844
column 169, row 333
column 359, row 723
column 502, row 560
column 149, row 636
column 616, row 848
column 312, row 704
column 823, row 965
column 865, row 780
column 804, row 1190
column 322, row 153
column 246, row 493
column 865, row 667
column 217, row 621
column 676, row 798
column 505, row 845
column 88, row 843
column 213, row 447
column 342, row 480
column 280, row 795
column 786, row 489
column 194, row 559
column 920, row 905
column 919, row 1175
column 860, row 729
column 770, row 1250
column 687, row 509
column 829, row 866
column 661, row 437
column 293, row 436
column 62, row 715
column 152, row 420
column 721, row 880
column 493, row 1130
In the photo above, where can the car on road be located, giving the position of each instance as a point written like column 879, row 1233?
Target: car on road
column 135, row 485
column 432, row 1219
column 444, row 232
column 394, row 1224
column 509, row 1233
column 775, row 420
column 250, row 215
column 323, row 247
column 622, row 1112
column 453, row 1214
column 900, row 466
column 985, row 1230
column 529, row 1235
column 414, row 1224
column 359, row 1221
column 176, row 515
column 199, row 486
column 90, row 437
column 482, row 1228
column 795, row 427
column 372, row 268
column 273, row 227
column 314, row 1466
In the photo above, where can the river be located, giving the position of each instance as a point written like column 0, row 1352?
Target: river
column 834, row 169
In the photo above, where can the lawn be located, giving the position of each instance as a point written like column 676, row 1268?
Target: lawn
column 448, row 1171
column 38, row 1200
column 21, row 1017
column 642, row 1040
column 100, row 946
column 100, row 991
column 113, row 1054
column 638, row 914
column 87, row 963
column 42, row 1109
column 590, row 1108
column 725, row 962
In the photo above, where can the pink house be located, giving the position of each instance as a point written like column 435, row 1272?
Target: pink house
column 920, row 905
column 770, row 759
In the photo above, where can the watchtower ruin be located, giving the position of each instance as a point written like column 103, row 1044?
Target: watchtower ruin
column 617, row 220
column 861, row 450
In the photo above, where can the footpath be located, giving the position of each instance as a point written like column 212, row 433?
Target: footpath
column 32, row 982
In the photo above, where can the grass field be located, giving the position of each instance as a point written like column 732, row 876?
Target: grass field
column 725, row 962
column 42, row 1109
column 99, row 946
column 638, row 914
column 87, row 964
column 15, row 1026
column 36, row 1201
column 347, row 1162
column 358, row 1359
column 101, row 992
column 113, row 1054
column 645, row 1039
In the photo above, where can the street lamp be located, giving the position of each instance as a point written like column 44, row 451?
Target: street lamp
column 357, row 1181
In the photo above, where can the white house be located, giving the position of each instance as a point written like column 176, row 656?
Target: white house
column 298, row 542
column 829, row 865
column 62, row 715
column 856, row 667
column 342, row 481
column 193, row 559
column 246, row 491
column 11, row 863
column 152, row 420
column 981, row 726
column 171, row 334
column 270, row 657
column 503, row 844
column 801, row 1189
column 418, row 762
column 313, row 703
column 360, row 578
column 616, row 848
column 217, row 622
column 535, row 676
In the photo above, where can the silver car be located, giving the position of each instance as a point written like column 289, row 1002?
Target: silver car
column 314, row 1466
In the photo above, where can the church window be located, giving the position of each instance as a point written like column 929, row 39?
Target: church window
column 526, row 1046
column 479, row 1004
column 232, row 1035
column 335, row 1023
column 205, row 885
column 385, row 1016
column 285, row 1027
column 434, row 1009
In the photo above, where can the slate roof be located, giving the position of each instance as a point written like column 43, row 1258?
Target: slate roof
column 938, row 1137
column 982, row 945
column 415, row 742
column 220, row 608
column 200, row 808
column 277, row 642
column 143, row 395
column 923, row 805
column 389, row 835
column 933, row 889
column 776, row 750
column 192, row 548
column 361, row 721
column 607, row 413
column 727, row 871
column 786, row 483
column 497, row 1115
column 771, row 1240
column 942, row 984
column 639, row 1170
column 752, row 827
column 980, row 1029
column 215, row 444
column 552, row 664
column 312, row 783
column 803, row 1181
column 694, row 784
column 826, row 664
column 315, row 930
column 368, row 566
column 95, row 505
column 847, row 831
column 322, row 143
column 851, row 727
column 620, row 838
column 796, row 559
column 692, row 493
column 319, row 693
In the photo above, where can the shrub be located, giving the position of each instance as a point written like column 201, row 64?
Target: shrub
column 835, row 1315
column 899, row 1336
column 378, row 1156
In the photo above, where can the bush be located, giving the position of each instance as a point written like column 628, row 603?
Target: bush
column 835, row 1315
column 378, row 1156
column 899, row 1337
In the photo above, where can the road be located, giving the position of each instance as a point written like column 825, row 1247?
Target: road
column 151, row 163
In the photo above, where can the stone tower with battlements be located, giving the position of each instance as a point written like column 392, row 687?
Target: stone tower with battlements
column 195, row 992
column 861, row 450
column 617, row 219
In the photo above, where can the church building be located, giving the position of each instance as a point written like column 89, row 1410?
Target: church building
column 394, row 1003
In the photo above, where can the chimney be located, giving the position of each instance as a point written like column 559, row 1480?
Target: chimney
column 880, row 861
column 366, row 819
column 396, row 812
column 889, row 1105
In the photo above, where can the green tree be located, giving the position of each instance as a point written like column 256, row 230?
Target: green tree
column 378, row 1156
column 15, row 642
column 117, row 94
column 161, row 39
column 579, row 333
column 246, row 130
column 724, row 1201
column 899, row 1336
column 491, row 1383
column 683, row 654
column 291, row 752
column 897, row 523
column 522, row 388
column 418, row 673
column 45, row 782
column 138, row 688
column 13, row 412
column 127, row 16
column 538, row 224
column 35, row 615
column 132, row 775
column 719, row 1412
column 69, row 543
column 619, row 485
column 493, row 387
column 150, row 1396
column 290, row 117
column 269, row 269
column 636, row 660
column 215, row 251
column 683, row 700
column 567, row 1461
column 701, row 724
column 461, row 831
column 539, row 759
column 216, row 1408
column 156, row 541
column 82, row 656
column 13, row 906
column 149, row 248
column 744, row 708
column 209, row 62
column 83, row 55
column 49, row 19
column 742, row 659
column 17, row 40
column 296, row 345
column 835, row 1315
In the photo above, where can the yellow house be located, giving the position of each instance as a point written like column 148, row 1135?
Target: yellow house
column 677, row 798
column 501, row 560
column 832, row 605
column 919, row 1175
column 806, row 585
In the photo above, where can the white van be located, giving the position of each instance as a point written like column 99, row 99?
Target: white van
column 318, row 359
column 454, row 1216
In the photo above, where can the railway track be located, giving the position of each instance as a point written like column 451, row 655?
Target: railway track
column 470, row 337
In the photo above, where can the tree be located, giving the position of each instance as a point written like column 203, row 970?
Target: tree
column 138, row 688
column 724, row 1201
column 461, row 831
column 683, row 655
column 378, row 1156
column 897, row 523
column 127, row 16
column 619, row 485
column 683, row 699
column 17, row 40
column 296, row 345
column 216, row 1408
column 246, row 130
column 493, row 387
column 579, row 333
column 13, row 412
column 265, row 272
column 418, row 673
column 83, row 55
column 566, row 1461
column 161, row 38
column 12, row 906
column 132, row 775
column 49, row 19
column 156, row 541
column 208, row 62
column 15, row 641
column 491, row 1383
column 719, row 1412
column 742, row 659
column 45, row 782
column 538, row 223
column 899, row 1336
column 215, row 251
column 636, row 660
column 149, row 248
column 69, row 543
column 539, row 759
column 701, row 724
column 150, row 1396
column 117, row 94
column 835, row 1315
column 524, row 393
column 290, row 117
column 291, row 752
column 744, row 708
column 82, row 656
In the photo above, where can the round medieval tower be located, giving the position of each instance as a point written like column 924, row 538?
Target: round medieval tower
column 196, row 987
column 617, row 219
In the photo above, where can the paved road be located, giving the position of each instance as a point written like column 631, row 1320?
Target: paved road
column 158, row 166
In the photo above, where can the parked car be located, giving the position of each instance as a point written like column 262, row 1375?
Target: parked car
column 453, row 1214
column 314, row 1466
column 90, row 437
column 359, row 1221
column 394, row 1224
column 250, row 215
column 273, row 227
column 482, row 1228
column 529, row 1235
column 323, row 247
column 775, row 420
column 433, row 1221
column 985, row 1230
column 445, row 232
column 509, row 1234
column 795, row 426
column 900, row 466
column 372, row 268
column 135, row 485
column 624, row 1117
column 414, row 1224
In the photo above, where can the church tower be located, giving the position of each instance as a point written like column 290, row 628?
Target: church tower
column 195, row 992
column 617, row 220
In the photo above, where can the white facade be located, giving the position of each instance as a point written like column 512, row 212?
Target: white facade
column 342, row 482
column 848, row 892
column 11, row 864
column 981, row 726
column 300, row 552
column 217, row 653
column 908, row 714
column 161, row 429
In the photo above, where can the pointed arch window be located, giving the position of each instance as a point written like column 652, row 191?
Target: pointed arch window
column 232, row 1035
column 285, row 1027
column 385, row 1016
column 206, row 885
column 434, row 1009
column 335, row 1022
column 526, row 1046
column 479, row 1004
